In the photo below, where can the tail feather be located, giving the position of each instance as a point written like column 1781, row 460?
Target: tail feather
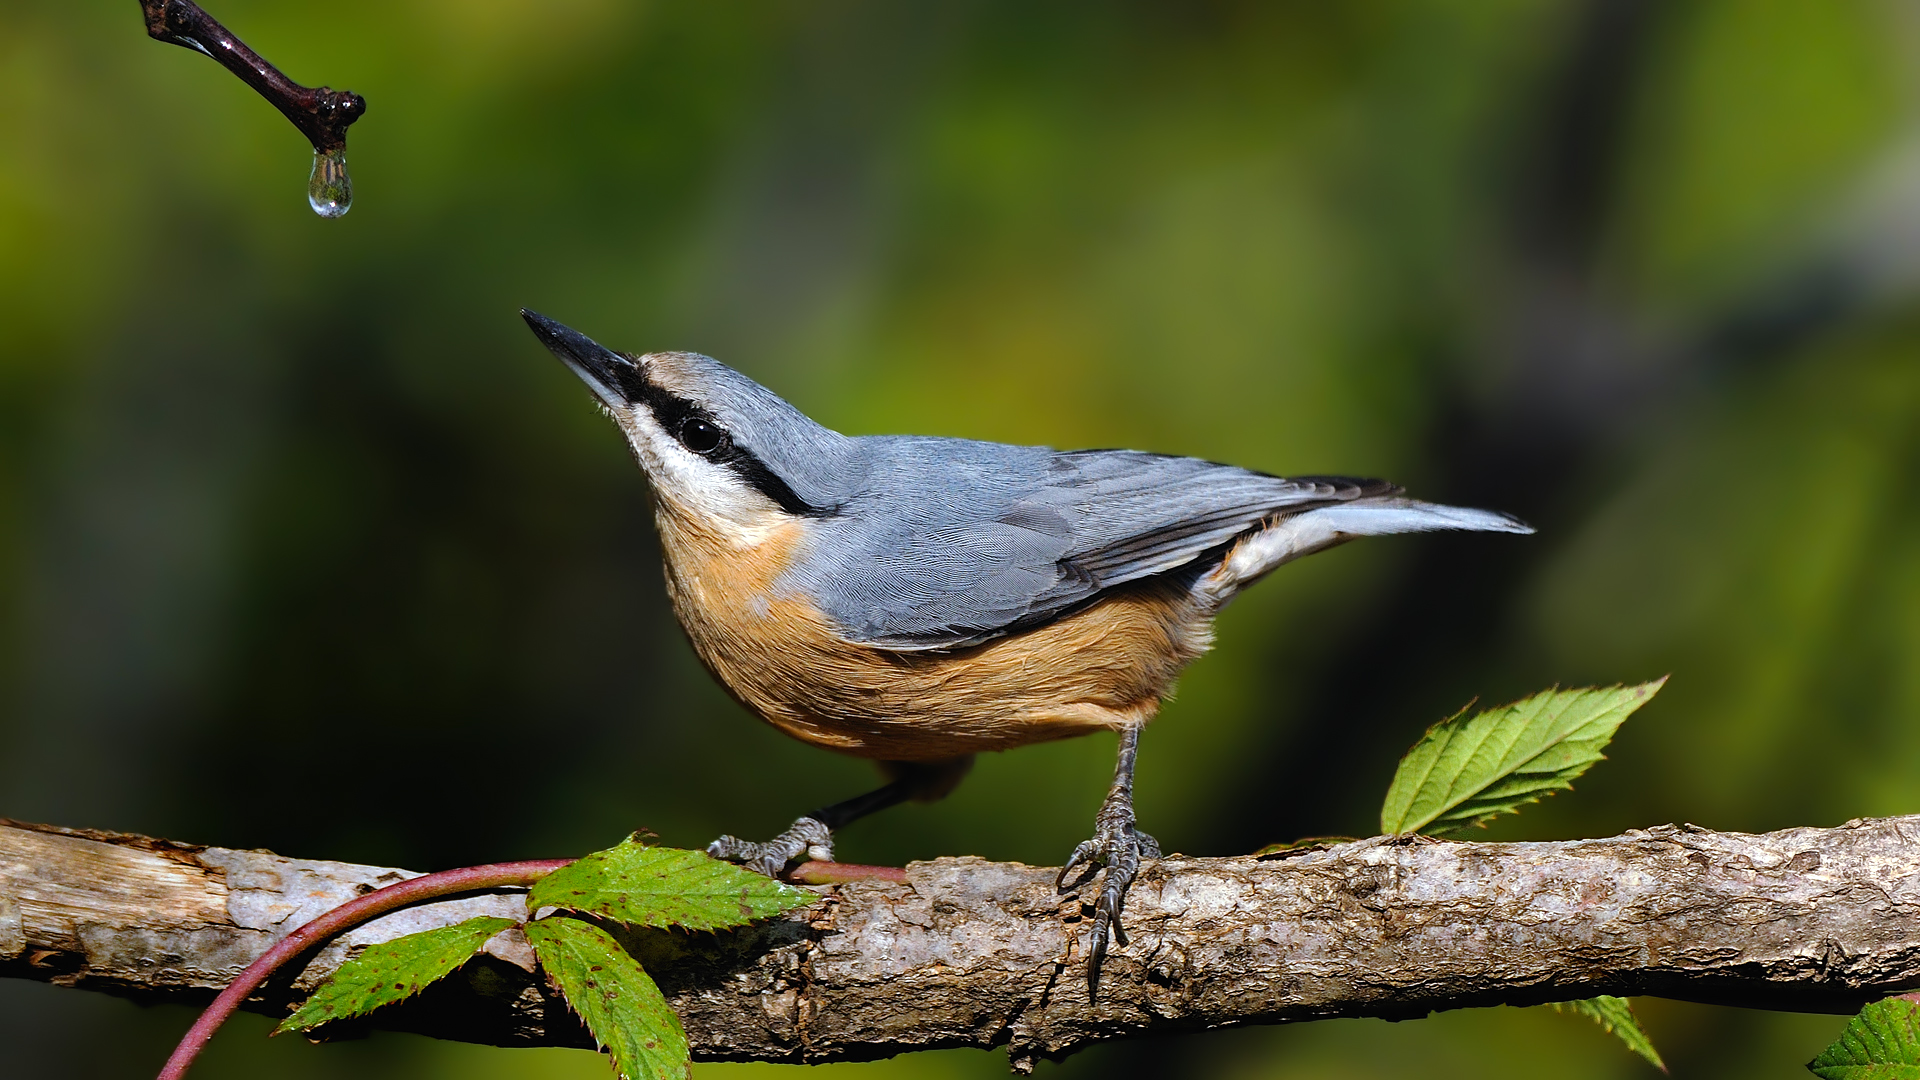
column 1379, row 517
column 1291, row 537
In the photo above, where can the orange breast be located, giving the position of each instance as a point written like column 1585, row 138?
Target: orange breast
column 1104, row 667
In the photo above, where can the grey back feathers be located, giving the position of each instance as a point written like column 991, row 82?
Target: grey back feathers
column 922, row 543
column 916, row 543
column 950, row 542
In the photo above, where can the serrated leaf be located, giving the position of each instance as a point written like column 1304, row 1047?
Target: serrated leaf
column 1466, row 770
column 392, row 971
column 638, row 885
column 621, row 1006
column 1881, row 1043
column 1615, row 1015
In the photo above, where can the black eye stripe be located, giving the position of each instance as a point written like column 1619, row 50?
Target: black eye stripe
column 668, row 410
column 626, row 378
column 677, row 416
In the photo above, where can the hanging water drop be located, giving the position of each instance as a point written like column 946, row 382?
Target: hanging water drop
column 330, row 189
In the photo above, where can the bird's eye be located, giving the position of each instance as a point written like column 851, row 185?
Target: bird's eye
column 702, row 437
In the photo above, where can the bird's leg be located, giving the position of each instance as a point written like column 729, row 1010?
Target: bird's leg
column 1116, row 845
column 811, row 837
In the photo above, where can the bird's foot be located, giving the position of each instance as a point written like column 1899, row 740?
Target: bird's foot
column 809, row 838
column 1118, row 846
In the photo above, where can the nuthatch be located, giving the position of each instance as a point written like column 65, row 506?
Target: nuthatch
column 917, row 600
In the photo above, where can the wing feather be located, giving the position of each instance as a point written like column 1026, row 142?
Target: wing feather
column 974, row 540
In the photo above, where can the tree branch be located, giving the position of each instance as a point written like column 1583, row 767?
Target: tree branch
column 972, row 953
column 322, row 115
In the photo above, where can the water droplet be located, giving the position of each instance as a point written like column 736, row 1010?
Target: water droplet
column 330, row 189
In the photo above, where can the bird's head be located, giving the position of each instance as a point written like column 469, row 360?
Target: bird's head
column 716, row 445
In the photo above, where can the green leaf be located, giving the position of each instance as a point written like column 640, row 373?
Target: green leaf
column 1881, row 1043
column 1466, row 770
column 619, row 1002
column 392, row 971
column 1615, row 1015
column 639, row 885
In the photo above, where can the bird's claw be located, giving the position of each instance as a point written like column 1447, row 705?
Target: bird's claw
column 1118, row 846
column 808, row 838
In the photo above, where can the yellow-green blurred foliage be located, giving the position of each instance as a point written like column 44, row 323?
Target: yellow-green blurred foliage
column 301, row 532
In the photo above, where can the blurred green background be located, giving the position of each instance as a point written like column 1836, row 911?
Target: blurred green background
column 304, row 540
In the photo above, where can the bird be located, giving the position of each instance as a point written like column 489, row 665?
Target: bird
column 918, row 600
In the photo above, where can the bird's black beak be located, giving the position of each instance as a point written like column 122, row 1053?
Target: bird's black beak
column 613, row 378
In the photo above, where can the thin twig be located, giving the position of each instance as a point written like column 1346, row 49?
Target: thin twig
column 321, row 114
column 834, row 873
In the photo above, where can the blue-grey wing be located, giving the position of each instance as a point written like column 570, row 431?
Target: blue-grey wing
column 1152, row 514
column 960, row 542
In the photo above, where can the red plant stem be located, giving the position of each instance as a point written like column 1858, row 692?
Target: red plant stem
column 345, row 917
column 835, row 873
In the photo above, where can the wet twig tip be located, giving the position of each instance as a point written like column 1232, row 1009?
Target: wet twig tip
column 322, row 115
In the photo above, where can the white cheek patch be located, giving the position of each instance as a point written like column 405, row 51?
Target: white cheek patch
column 706, row 491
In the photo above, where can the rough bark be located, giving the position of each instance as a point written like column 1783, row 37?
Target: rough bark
column 972, row 953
